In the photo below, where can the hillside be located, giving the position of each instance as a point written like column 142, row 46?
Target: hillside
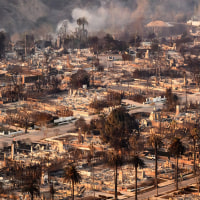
column 44, row 15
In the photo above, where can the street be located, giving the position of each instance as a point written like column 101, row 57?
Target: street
column 37, row 135
column 164, row 190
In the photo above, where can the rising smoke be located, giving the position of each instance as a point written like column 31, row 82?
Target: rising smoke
column 119, row 15
column 42, row 16
column 109, row 17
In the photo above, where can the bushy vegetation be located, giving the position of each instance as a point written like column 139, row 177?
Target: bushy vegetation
column 172, row 100
column 119, row 126
column 143, row 74
column 112, row 99
column 137, row 97
column 99, row 104
column 80, row 78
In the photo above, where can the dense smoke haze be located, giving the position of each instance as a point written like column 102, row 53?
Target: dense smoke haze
column 109, row 16
column 42, row 16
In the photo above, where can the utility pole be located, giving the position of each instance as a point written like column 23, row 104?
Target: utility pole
column 186, row 99
column 93, row 71
column 171, row 83
column 185, row 84
column 92, row 151
column 25, row 46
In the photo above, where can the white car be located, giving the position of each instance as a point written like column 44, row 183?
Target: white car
column 152, row 157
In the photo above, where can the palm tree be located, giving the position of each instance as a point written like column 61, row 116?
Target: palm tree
column 91, row 161
column 1, row 189
column 32, row 188
column 82, row 21
column 52, row 191
column 115, row 160
column 30, row 179
column 79, row 21
column 156, row 143
column 72, row 175
column 136, row 162
column 93, row 42
column 194, row 136
column 176, row 149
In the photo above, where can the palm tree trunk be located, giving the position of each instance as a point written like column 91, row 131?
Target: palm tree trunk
column 176, row 172
column 116, row 181
column 194, row 167
column 26, row 127
column 97, row 51
column 135, row 183
column 156, row 170
column 72, row 190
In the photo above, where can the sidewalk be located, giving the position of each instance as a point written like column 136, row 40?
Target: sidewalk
column 169, row 182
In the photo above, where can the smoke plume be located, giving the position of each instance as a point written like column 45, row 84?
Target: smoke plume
column 109, row 17
column 117, row 16
column 103, row 15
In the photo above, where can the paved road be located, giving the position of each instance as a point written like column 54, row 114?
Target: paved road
column 37, row 135
column 164, row 189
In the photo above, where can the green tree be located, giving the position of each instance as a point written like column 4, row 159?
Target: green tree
column 119, row 127
column 71, row 174
column 82, row 21
column 172, row 100
column 194, row 136
column 176, row 149
column 156, row 143
column 80, row 78
column 2, row 44
column 81, row 123
column 136, row 161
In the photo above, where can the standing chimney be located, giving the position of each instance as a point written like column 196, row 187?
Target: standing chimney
column 23, row 79
column 4, row 162
column 177, row 109
column 185, row 79
column 31, row 148
column 12, row 150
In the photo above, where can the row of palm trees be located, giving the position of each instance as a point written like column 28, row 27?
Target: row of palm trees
column 177, row 148
column 116, row 160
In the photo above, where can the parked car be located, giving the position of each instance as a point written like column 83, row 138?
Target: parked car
column 152, row 157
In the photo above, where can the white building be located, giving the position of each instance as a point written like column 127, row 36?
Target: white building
column 195, row 21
